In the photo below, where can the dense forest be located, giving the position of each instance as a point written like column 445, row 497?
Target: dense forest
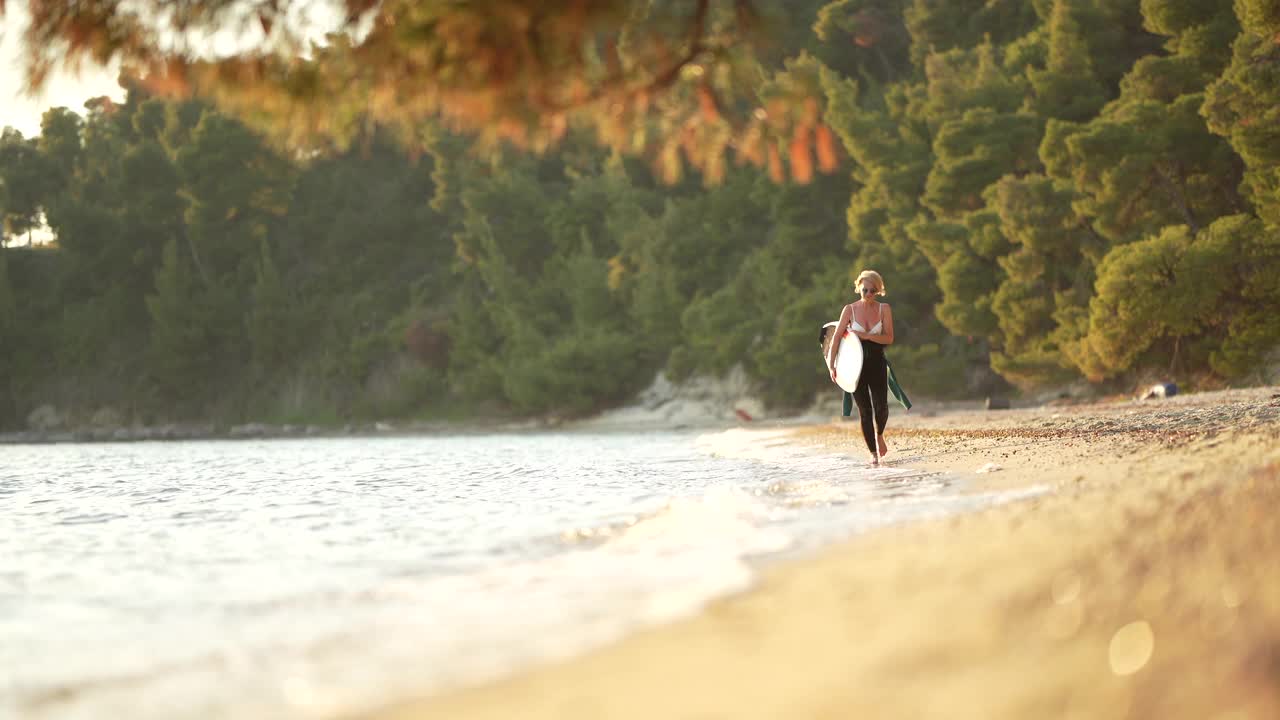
column 1056, row 191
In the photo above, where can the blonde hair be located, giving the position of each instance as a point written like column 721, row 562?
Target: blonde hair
column 875, row 279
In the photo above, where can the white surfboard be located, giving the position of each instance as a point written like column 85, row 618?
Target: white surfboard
column 848, row 358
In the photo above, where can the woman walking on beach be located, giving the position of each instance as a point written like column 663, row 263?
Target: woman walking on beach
column 872, row 392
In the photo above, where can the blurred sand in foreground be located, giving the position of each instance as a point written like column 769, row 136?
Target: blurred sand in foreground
column 1144, row 584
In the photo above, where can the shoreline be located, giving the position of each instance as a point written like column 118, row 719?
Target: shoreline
column 702, row 404
column 1142, row 584
column 178, row 432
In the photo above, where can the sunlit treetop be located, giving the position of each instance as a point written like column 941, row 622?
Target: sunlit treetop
column 678, row 81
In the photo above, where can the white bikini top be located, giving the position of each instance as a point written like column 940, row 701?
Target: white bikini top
column 873, row 331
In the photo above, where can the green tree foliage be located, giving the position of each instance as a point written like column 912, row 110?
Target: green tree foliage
column 25, row 178
column 543, row 321
column 8, row 337
column 9, row 326
column 1243, row 105
column 1053, row 190
column 864, row 39
column 182, row 343
column 235, row 188
column 1049, row 141
column 1067, row 88
column 941, row 25
column 1048, row 272
column 1145, row 165
column 1188, row 298
column 271, row 329
column 8, row 303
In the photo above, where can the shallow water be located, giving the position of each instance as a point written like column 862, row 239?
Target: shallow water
column 311, row 578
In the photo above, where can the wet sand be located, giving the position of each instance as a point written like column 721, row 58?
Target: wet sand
column 1143, row 583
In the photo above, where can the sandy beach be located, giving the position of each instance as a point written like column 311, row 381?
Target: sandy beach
column 1143, row 582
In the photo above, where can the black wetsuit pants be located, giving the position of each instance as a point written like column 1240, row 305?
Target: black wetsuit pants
column 871, row 394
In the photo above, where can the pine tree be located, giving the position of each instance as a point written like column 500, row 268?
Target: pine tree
column 980, row 134
column 1243, row 105
column 8, row 341
column 8, row 300
column 1187, row 300
column 179, row 354
column 270, row 324
column 1048, row 274
column 1067, row 88
column 24, row 173
column 237, row 189
column 1143, row 165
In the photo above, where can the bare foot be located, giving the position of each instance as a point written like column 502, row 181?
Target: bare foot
column 884, row 449
column 875, row 461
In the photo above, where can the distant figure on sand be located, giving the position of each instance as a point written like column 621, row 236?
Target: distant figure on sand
column 872, row 393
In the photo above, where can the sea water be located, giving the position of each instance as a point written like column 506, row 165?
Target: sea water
column 324, row 577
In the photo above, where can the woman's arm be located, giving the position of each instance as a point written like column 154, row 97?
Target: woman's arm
column 886, row 328
column 841, row 326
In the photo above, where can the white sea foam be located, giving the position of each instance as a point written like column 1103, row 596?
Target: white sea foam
column 309, row 579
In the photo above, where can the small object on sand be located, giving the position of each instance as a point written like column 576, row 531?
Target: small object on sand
column 997, row 403
column 989, row 468
column 742, row 414
column 1161, row 390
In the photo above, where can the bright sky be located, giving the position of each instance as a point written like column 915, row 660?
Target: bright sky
column 64, row 89
column 22, row 111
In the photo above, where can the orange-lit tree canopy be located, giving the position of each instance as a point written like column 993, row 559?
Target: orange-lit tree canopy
column 677, row 80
